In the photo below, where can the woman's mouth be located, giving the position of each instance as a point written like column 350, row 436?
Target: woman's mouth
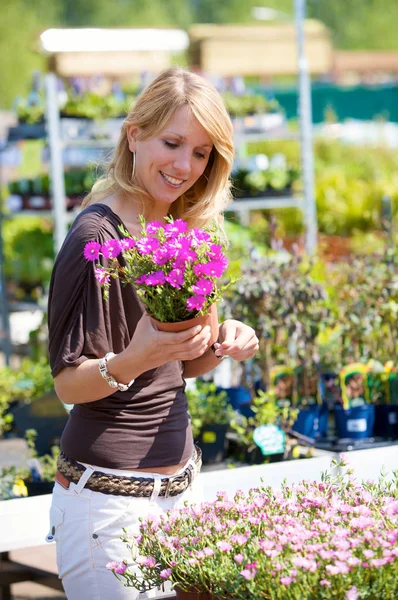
column 172, row 181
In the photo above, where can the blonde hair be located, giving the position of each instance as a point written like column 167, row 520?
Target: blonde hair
column 174, row 88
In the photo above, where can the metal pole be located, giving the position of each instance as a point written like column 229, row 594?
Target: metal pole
column 5, row 331
column 56, row 166
column 305, row 118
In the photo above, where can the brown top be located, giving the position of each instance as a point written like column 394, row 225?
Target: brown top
column 147, row 426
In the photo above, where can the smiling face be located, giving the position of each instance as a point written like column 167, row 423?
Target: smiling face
column 168, row 164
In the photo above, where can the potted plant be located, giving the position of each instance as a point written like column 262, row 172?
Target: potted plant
column 334, row 539
column 35, row 404
column 174, row 270
column 210, row 415
column 266, row 411
column 34, row 479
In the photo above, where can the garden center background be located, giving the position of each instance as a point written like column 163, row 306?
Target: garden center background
column 312, row 90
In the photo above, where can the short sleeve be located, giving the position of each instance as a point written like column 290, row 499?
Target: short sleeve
column 81, row 323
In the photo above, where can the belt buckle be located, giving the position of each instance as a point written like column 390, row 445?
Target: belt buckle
column 168, row 486
column 190, row 473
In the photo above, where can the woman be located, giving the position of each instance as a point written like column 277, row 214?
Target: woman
column 127, row 450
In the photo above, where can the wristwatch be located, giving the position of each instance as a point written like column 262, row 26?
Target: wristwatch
column 103, row 369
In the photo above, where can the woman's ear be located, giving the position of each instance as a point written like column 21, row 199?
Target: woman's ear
column 132, row 131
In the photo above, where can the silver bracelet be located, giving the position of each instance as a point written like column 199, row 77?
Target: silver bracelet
column 103, row 369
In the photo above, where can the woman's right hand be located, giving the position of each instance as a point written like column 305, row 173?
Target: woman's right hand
column 150, row 348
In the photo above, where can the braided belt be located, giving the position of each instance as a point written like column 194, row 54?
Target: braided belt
column 140, row 487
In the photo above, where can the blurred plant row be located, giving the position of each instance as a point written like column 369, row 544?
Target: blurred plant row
column 92, row 105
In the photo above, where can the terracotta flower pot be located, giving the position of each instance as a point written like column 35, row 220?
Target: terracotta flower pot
column 193, row 595
column 210, row 319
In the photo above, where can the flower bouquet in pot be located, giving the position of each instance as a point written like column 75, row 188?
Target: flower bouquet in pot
column 329, row 540
column 174, row 270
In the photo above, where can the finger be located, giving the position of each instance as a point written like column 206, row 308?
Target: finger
column 241, row 339
column 246, row 351
column 179, row 337
column 230, row 335
column 192, row 345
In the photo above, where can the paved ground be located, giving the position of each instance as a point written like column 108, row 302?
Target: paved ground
column 41, row 557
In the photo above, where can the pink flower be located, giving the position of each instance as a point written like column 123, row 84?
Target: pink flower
column 146, row 561
column 101, row 275
column 152, row 227
column 161, row 256
column 325, row 582
column 127, row 243
column 352, row 593
column 111, row 249
column 91, row 251
column 195, row 302
column 286, row 580
column 248, row 574
column 116, row 567
column 239, row 558
column 211, row 269
column 224, row 546
column 158, row 278
column 175, row 278
column 203, row 287
column 175, row 228
column 165, row 574
column 147, row 245
column 199, row 236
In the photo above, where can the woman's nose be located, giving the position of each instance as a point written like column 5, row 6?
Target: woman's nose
column 182, row 163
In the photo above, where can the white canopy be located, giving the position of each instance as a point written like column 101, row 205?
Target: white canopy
column 113, row 40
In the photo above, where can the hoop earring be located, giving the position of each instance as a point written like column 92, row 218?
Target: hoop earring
column 133, row 169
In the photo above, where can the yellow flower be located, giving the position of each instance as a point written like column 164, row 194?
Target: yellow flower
column 19, row 488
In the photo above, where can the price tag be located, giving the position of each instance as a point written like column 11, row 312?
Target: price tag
column 356, row 425
column 270, row 439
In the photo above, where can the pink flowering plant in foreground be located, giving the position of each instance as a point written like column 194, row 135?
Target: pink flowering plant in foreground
column 174, row 269
column 335, row 539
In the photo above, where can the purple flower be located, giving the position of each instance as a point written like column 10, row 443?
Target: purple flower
column 161, row 256
column 195, row 302
column 101, row 275
column 158, row 278
column 127, row 243
column 152, row 227
column 91, row 251
column 111, row 249
column 199, row 236
column 203, row 287
column 183, row 258
column 165, row 574
column 175, row 278
column 175, row 228
column 146, row 245
column 211, row 269
column 116, row 567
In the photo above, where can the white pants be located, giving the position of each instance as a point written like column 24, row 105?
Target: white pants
column 87, row 526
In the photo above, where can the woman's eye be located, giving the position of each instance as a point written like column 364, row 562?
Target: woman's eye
column 200, row 155
column 170, row 144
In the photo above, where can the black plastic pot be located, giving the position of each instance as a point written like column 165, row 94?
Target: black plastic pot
column 46, row 415
column 38, row 488
column 386, row 421
column 212, row 442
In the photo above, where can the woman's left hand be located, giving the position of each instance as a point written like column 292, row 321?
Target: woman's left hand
column 237, row 340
